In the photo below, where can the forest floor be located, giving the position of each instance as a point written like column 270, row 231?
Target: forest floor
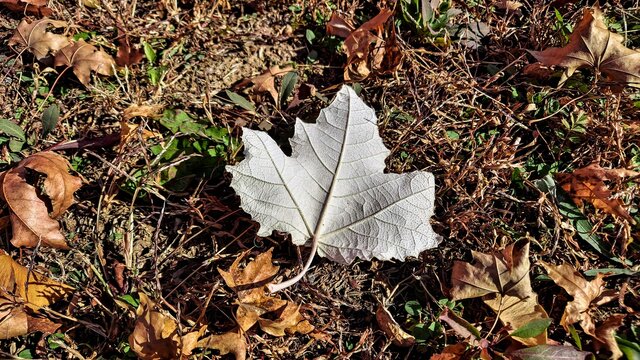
column 457, row 98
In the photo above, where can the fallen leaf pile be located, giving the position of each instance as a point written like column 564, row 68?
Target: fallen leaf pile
column 22, row 293
column 587, row 296
column 81, row 57
column 38, row 191
column 254, row 301
column 371, row 49
column 156, row 336
column 502, row 281
column 592, row 45
column 588, row 184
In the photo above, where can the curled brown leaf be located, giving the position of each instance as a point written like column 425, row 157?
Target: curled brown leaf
column 32, row 217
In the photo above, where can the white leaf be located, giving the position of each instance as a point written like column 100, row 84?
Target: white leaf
column 332, row 188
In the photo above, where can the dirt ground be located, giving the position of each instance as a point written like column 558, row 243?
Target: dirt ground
column 162, row 225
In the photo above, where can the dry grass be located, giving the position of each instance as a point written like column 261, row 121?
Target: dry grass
column 466, row 117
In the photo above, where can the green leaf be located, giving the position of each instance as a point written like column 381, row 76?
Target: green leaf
column 15, row 145
column 453, row 135
column 288, row 84
column 129, row 299
column 575, row 336
column 240, row 101
column 50, row 119
column 27, row 354
column 610, row 271
column 149, row 53
column 12, row 129
column 413, row 308
column 310, row 35
column 54, row 340
column 532, row 328
column 630, row 349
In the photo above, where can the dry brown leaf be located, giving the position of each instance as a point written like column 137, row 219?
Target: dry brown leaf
column 508, row 5
column 18, row 299
column 129, row 131
column 372, row 48
column 588, row 184
column 502, row 280
column 228, row 343
column 33, row 7
column 254, row 298
column 30, row 218
column 265, row 82
column 392, row 329
column 84, row 58
column 288, row 321
column 155, row 335
column 586, row 295
column 592, row 45
column 128, row 55
column 14, row 320
column 451, row 352
column 605, row 335
column 33, row 36
column 41, row 291
column 338, row 26
column 462, row 328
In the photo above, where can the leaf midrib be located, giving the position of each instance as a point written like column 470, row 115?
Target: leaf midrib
column 317, row 234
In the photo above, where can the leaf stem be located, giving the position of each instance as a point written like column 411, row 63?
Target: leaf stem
column 285, row 284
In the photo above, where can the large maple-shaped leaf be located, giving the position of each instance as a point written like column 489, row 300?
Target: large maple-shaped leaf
column 592, row 45
column 331, row 193
column 502, row 280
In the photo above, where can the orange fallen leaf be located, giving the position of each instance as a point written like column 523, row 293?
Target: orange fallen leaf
column 592, row 45
column 31, row 221
column 502, row 280
column 254, row 300
column 372, row 48
column 265, row 82
column 392, row 329
column 84, row 58
column 22, row 292
column 228, row 343
column 586, row 295
column 588, row 184
column 33, row 36
column 156, row 337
